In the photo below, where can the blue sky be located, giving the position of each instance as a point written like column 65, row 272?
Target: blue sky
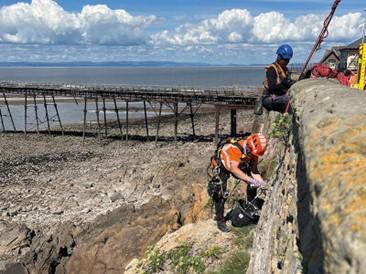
column 211, row 31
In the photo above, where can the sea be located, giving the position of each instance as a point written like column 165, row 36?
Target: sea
column 72, row 112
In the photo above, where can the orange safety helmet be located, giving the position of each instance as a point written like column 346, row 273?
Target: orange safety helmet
column 257, row 144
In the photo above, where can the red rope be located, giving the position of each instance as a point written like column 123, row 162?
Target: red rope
column 323, row 34
column 287, row 107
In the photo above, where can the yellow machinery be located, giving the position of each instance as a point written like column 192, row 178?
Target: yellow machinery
column 360, row 84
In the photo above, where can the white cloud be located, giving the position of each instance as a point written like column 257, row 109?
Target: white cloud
column 229, row 26
column 239, row 26
column 347, row 26
column 45, row 22
column 270, row 27
column 44, row 31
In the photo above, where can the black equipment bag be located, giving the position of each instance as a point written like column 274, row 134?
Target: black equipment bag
column 244, row 213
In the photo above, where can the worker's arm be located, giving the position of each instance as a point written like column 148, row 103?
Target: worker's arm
column 254, row 170
column 273, row 87
column 258, row 177
column 240, row 174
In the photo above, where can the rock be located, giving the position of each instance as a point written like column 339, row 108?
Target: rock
column 88, row 185
column 116, row 196
column 202, row 235
column 132, row 265
column 116, row 245
column 4, row 207
column 156, row 185
column 86, row 210
column 12, row 212
column 58, row 211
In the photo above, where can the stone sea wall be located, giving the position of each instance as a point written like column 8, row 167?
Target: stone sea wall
column 317, row 225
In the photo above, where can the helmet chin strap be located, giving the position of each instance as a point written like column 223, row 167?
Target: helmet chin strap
column 245, row 150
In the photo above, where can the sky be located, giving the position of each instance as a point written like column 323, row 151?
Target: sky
column 199, row 31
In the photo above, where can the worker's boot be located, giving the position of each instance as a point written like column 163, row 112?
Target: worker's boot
column 221, row 224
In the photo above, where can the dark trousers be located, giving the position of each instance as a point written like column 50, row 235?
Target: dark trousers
column 276, row 103
column 220, row 199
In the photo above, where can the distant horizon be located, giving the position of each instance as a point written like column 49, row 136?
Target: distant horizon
column 155, row 63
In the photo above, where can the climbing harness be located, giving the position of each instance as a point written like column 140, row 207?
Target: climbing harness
column 216, row 167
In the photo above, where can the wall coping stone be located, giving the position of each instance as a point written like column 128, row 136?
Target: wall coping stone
column 330, row 120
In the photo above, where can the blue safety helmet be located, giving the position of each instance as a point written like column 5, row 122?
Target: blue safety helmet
column 285, row 52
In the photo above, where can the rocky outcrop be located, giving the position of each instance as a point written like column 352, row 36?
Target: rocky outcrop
column 316, row 207
column 40, row 253
column 203, row 242
column 118, row 237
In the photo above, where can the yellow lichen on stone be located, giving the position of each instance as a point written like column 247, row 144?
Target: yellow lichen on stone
column 339, row 165
column 334, row 219
column 330, row 122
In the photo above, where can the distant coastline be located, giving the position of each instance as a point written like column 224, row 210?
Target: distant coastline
column 148, row 64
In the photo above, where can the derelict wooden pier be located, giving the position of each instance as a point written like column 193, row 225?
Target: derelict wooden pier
column 188, row 99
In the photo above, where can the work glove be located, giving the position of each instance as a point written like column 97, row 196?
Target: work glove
column 256, row 183
column 287, row 82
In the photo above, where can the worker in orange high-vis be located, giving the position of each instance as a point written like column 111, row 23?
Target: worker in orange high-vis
column 239, row 159
column 278, row 81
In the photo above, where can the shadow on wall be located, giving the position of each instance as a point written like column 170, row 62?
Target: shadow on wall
column 310, row 240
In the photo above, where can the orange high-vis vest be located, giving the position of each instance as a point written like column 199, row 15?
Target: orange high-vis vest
column 281, row 74
column 230, row 154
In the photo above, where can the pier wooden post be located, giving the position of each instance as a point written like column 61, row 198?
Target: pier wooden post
column 105, row 118
column 118, row 120
column 126, row 121
column 152, row 107
column 36, row 112
column 175, row 122
column 84, row 124
column 233, row 122
column 146, row 123
column 25, row 112
column 97, row 113
column 2, row 120
column 58, row 115
column 8, row 108
column 158, row 125
column 217, row 123
column 47, row 117
column 192, row 119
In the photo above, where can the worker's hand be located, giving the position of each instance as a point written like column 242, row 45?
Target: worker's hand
column 287, row 82
column 256, row 183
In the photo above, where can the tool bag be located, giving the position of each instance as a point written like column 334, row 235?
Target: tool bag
column 244, row 213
